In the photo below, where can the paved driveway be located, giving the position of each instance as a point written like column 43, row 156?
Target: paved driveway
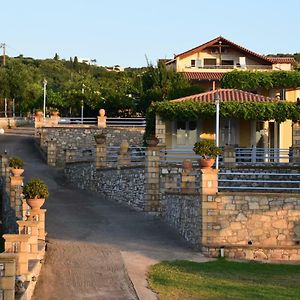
column 98, row 249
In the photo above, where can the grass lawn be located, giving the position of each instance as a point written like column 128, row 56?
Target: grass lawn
column 223, row 279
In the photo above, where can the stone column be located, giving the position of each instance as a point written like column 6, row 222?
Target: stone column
column 187, row 178
column 38, row 215
column 208, row 192
column 8, row 275
column 3, row 164
column 124, row 157
column 101, row 119
column 160, row 130
column 229, row 157
column 31, row 228
column 51, row 153
column 152, row 182
column 101, row 152
column 18, row 243
column 16, row 195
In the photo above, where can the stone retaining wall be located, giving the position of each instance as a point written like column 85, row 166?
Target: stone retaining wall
column 14, row 122
column 82, row 137
column 266, row 220
column 126, row 184
column 183, row 213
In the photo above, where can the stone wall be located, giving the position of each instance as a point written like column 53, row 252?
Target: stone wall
column 14, row 122
column 183, row 213
column 82, row 138
column 125, row 185
column 251, row 221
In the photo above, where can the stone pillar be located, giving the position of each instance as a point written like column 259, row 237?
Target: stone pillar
column 187, row 178
column 101, row 152
column 18, row 243
column 7, row 275
column 160, row 130
column 152, row 183
column 3, row 164
column 16, row 195
column 229, row 157
column 38, row 215
column 208, row 192
column 51, row 153
column 124, row 157
column 30, row 228
column 54, row 119
column 101, row 119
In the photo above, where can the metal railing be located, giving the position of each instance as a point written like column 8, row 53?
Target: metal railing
column 263, row 155
column 126, row 122
column 110, row 122
column 259, row 181
column 243, row 67
column 134, row 157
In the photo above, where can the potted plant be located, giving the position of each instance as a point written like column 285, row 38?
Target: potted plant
column 38, row 113
column 152, row 141
column 35, row 192
column 54, row 112
column 17, row 165
column 100, row 138
column 208, row 151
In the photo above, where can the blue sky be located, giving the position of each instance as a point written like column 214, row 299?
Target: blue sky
column 124, row 32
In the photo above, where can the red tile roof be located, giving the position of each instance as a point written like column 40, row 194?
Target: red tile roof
column 281, row 60
column 226, row 95
column 203, row 75
column 215, row 41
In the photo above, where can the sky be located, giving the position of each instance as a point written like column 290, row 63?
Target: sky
column 128, row 33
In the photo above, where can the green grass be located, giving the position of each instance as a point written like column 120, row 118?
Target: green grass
column 223, row 279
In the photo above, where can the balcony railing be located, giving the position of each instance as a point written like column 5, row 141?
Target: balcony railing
column 230, row 67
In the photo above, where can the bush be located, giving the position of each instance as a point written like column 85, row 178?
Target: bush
column 35, row 188
column 16, row 162
column 207, row 149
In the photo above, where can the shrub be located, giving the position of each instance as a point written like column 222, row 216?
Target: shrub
column 207, row 149
column 16, row 162
column 35, row 188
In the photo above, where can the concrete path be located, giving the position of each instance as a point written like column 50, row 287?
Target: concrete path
column 98, row 249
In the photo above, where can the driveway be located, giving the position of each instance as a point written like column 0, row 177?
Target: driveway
column 97, row 249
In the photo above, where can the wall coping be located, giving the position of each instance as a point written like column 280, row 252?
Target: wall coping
column 183, row 194
column 256, row 194
column 230, row 246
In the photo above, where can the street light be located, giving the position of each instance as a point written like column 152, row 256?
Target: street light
column 217, row 102
column 45, row 87
column 82, row 103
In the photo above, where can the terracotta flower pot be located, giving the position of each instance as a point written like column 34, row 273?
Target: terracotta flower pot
column 35, row 203
column 100, row 140
column 153, row 142
column 17, row 172
column 206, row 163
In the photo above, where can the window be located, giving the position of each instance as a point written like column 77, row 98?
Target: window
column 210, row 62
column 193, row 62
column 186, row 133
column 227, row 62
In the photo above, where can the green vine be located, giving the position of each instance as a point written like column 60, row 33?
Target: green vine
column 190, row 110
column 252, row 80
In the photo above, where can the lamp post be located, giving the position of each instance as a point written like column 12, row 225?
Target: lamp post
column 45, row 92
column 217, row 102
column 82, row 103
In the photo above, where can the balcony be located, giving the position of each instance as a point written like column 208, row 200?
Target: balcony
column 226, row 68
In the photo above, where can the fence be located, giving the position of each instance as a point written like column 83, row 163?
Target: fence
column 110, row 122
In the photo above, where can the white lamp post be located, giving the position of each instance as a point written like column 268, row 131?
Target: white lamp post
column 82, row 103
column 45, row 92
column 217, row 102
